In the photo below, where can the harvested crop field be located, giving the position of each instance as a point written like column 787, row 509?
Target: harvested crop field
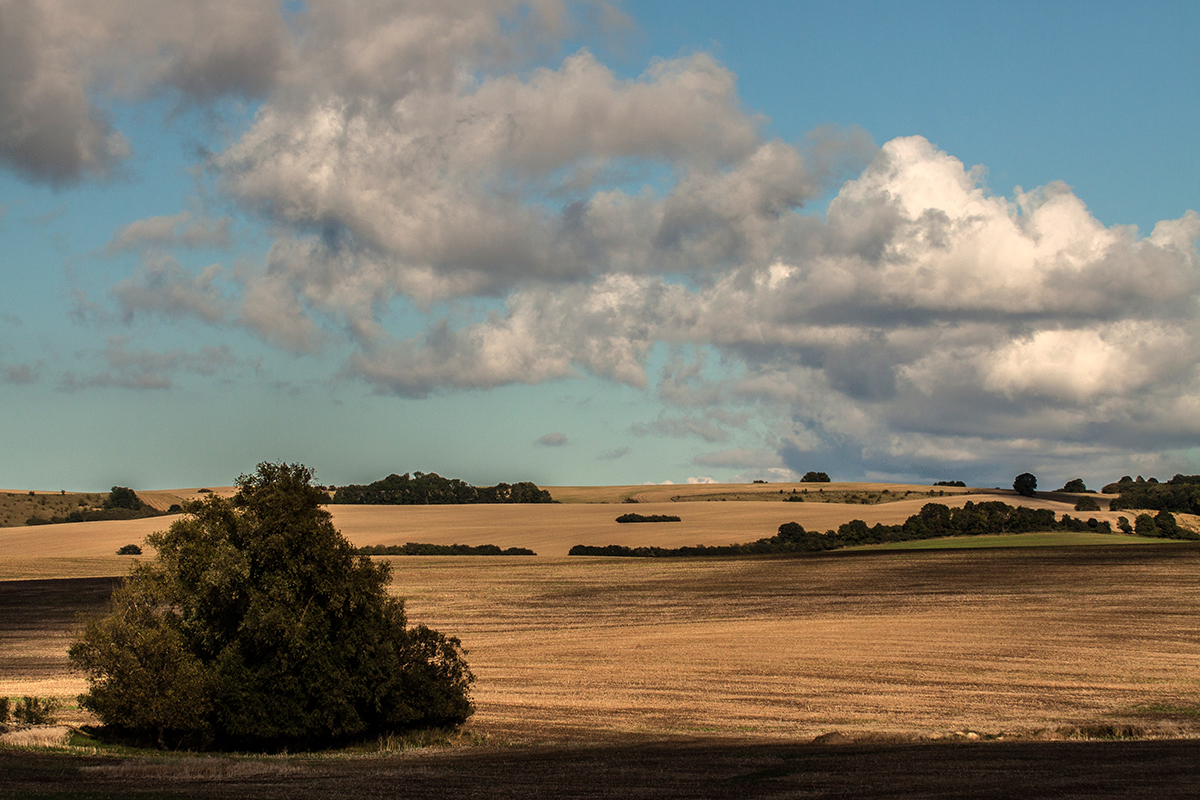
column 1014, row 641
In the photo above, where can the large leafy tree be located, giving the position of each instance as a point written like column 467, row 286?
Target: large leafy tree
column 257, row 626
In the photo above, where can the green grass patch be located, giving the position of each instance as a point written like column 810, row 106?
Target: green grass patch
column 1049, row 539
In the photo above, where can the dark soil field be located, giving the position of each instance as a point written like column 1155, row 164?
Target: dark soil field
column 662, row 769
column 1039, row 672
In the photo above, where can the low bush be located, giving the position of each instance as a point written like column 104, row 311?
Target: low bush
column 631, row 517
column 35, row 711
column 4, row 710
column 129, row 550
column 423, row 549
column 1087, row 504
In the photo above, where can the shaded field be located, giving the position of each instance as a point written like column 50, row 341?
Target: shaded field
column 37, row 621
column 17, row 507
column 674, row 769
column 913, row 644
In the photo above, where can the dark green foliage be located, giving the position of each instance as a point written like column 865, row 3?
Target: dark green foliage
column 1025, row 484
column 4, row 710
column 1123, row 524
column 256, row 626
column 175, row 508
column 123, row 497
column 419, row 549
column 934, row 521
column 1162, row 526
column 1074, row 485
column 631, row 517
column 951, row 483
column 1087, row 504
column 815, row 477
column 432, row 489
column 1181, row 495
column 35, row 711
column 129, row 550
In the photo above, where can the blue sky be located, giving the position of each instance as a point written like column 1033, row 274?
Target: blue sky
column 587, row 244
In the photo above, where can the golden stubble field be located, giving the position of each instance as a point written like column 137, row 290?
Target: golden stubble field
column 1014, row 641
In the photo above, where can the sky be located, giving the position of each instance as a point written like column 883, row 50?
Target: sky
column 598, row 243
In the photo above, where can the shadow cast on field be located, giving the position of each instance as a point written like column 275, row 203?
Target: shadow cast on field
column 668, row 769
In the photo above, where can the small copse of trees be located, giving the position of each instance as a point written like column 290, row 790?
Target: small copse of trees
column 815, row 477
column 1180, row 495
column 421, row 489
column 1162, row 525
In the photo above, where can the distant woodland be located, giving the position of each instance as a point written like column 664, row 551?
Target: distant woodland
column 421, row 489
column 1180, row 495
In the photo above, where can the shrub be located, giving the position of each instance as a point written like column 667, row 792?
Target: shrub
column 4, row 711
column 1123, row 524
column 1087, row 504
column 1075, row 485
column 35, row 711
column 255, row 626
column 129, row 550
column 815, row 477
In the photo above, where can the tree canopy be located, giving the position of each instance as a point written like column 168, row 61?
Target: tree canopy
column 1181, row 494
column 257, row 626
column 1025, row 484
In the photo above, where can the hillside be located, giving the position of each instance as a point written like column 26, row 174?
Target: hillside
column 583, row 515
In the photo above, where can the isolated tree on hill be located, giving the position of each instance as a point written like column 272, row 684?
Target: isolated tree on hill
column 1074, row 485
column 256, row 626
column 123, row 497
column 1025, row 484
